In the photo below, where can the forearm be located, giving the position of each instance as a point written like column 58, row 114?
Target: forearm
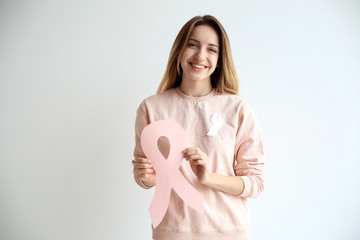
column 228, row 184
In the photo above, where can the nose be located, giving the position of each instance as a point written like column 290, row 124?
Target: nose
column 200, row 55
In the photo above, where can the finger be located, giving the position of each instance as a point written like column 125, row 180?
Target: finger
column 144, row 177
column 199, row 162
column 190, row 149
column 192, row 152
column 142, row 160
column 196, row 162
column 143, row 165
column 193, row 149
column 139, row 168
column 189, row 153
column 145, row 171
column 193, row 157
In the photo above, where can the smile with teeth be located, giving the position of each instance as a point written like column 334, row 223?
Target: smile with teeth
column 198, row 66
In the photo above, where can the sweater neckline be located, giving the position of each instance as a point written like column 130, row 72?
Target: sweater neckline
column 195, row 99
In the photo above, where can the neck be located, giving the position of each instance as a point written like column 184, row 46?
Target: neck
column 194, row 89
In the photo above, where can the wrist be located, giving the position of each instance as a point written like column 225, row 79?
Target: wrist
column 206, row 179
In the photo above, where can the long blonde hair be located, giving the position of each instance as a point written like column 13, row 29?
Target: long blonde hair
column 224, row 78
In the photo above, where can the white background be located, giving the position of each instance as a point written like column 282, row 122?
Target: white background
column 72, row 74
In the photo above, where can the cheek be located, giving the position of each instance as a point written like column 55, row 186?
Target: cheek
column 214, row 61
column 185, row 56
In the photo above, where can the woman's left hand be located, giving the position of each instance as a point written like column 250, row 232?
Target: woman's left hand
column 199, row 162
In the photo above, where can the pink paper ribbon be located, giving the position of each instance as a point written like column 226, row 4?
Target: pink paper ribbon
column 168, row 175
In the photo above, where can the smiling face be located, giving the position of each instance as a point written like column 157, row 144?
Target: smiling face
column 201, row 55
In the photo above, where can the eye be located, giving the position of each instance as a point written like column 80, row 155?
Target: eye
column 213, row 50
column 191, row 45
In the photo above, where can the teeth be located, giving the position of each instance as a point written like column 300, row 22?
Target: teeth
column 198, row 66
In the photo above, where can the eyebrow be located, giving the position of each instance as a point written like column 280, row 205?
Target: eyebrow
column 211, row 44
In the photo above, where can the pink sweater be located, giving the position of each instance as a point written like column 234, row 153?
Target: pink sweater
column 236, row 150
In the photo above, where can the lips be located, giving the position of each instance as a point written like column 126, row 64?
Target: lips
column 198, row 66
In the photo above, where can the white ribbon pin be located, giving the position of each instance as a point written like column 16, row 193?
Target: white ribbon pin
column 217, row 122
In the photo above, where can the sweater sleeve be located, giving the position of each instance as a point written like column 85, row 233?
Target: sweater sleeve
column 249, row 154
column 142, row 120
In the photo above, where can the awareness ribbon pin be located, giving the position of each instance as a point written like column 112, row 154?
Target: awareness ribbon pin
column 168, row 175
column 217, row 122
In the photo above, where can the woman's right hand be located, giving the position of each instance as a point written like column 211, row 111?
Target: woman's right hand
column 144, row 171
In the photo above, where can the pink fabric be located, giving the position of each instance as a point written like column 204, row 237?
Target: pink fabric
column 240, row 153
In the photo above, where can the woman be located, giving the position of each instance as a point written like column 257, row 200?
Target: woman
column 225, row 166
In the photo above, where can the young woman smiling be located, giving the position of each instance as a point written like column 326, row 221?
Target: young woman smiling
column 226, row 167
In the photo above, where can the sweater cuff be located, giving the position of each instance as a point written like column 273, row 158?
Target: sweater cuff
column 247, row 186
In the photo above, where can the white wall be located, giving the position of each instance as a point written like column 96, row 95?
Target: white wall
column 72, row 74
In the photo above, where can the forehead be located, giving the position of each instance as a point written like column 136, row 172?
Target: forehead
column 205, row 34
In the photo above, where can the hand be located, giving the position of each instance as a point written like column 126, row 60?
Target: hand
column 144, row 171
column 199, row 162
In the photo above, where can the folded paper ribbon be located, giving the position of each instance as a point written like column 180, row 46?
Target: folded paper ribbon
column 168, row 175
